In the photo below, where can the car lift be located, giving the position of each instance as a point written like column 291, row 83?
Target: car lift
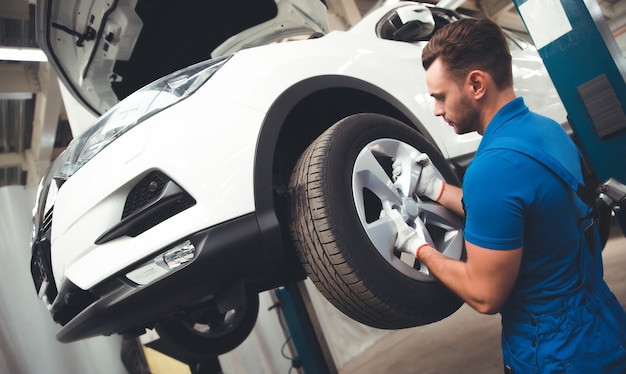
column 304, row 328
column 589, row 73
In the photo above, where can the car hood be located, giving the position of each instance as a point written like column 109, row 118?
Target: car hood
column 104, row 50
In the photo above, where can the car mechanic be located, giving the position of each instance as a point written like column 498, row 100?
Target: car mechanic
column 528, row 257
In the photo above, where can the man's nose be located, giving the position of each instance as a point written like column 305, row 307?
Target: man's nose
column 438, row 110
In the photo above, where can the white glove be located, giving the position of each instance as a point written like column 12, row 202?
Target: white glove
column 428, row 183
column 408, row 239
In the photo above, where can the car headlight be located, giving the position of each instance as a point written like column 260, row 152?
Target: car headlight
column 133, row 110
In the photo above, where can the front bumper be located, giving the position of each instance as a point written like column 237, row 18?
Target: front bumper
column 225, row 255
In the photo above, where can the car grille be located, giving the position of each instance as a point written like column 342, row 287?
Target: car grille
column 41, row 270
column 46, row 224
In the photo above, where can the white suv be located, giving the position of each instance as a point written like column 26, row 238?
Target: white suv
column 265, row 159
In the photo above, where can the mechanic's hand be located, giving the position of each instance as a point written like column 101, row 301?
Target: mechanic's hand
column 428, row 183
column 408, row 239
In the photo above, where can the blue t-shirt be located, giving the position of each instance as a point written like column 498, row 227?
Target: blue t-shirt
column 513, row 201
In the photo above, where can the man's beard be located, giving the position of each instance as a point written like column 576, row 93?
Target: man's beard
column 468, row 118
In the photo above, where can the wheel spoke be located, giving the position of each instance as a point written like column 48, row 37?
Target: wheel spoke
column 450, row 241
column 436, row 214
column 407, row 180
column 453, row 246
column 420, row 227
column 382, row 233
column 368, row 173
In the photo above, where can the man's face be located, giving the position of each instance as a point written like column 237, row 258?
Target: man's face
column 451, row 101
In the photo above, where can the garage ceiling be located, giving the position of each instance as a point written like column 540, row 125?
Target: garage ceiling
column 33, row 124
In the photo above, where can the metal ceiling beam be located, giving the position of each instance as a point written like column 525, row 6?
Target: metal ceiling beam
column 512, row 21
column 494, row 8
column 19, row 82
column 346, row 10
column 48, row 108
column 19, row 78
column 503, row 13
column 450, row 4
column 14, row 9
column 8, row 160
column 613, row 10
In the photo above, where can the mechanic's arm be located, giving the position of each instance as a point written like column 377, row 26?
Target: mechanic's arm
column 451, row 197
column 484, row 281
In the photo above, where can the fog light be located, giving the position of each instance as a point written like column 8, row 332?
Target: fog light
column 179, row 255
column 163, row 264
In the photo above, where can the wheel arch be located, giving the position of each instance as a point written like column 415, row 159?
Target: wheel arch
column 296, row 118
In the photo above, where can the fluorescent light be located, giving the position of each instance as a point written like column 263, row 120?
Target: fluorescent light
column 16, row 95
column 22, row 54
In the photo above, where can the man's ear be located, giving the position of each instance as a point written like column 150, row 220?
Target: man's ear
column 477, row 83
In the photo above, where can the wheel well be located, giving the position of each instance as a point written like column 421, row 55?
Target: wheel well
column 316, row 113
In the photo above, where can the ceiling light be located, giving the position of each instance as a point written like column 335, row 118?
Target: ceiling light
column 22, row 54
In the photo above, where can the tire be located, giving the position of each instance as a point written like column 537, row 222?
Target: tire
column 339, row 189
column 208, row 333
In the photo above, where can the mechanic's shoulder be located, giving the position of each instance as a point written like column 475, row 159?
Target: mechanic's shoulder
column 499, row 166
column 496, row 158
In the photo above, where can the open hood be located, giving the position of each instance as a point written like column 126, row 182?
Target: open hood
column 104, row 50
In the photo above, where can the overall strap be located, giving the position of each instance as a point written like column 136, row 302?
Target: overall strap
column 586, row 194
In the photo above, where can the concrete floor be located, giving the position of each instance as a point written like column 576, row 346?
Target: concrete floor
column 466, row 342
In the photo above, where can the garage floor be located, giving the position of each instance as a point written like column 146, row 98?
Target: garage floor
column 466, row 342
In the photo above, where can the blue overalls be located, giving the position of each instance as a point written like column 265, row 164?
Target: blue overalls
column 583, row 332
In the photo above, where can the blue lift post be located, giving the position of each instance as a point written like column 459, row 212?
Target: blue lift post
column 589, row 73
column 311, row 346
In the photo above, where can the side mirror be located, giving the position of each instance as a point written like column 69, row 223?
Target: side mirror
column 411, row 23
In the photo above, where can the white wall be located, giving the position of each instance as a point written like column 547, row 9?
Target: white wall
column 27, row 332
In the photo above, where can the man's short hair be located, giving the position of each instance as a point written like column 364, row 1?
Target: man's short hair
column 471, row 44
